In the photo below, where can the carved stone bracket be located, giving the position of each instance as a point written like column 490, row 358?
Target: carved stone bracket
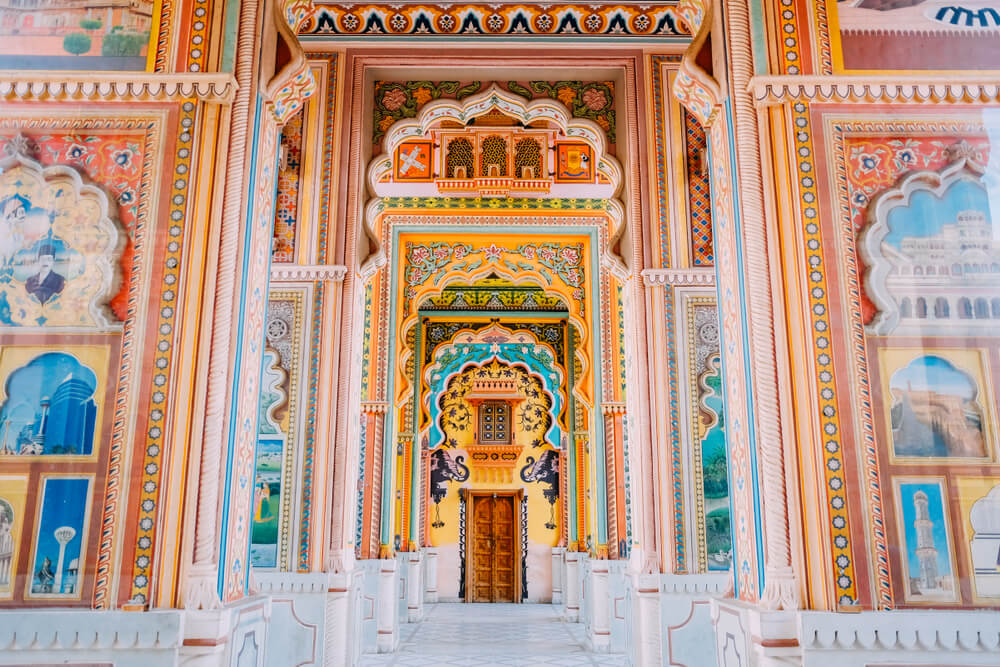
column 283, row 273
column 689, row 277
column 32, row 87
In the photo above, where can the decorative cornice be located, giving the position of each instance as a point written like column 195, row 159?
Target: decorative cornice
column 689, row 277
column 613, row 408
column 374, row 407
column 475, row 19
column 771, row 90
column 32, row 87
column 907, row 630
column 284, row 273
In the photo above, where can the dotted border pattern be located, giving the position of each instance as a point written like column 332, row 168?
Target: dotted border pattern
column 199, row 35
column 692, row 303
column 836, row 486
column 165, row 333
column 309, row 442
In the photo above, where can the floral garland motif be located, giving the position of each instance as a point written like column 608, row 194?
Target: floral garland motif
column 395, row 100
column 404, row 99
column 430, row 262
column 593, row 100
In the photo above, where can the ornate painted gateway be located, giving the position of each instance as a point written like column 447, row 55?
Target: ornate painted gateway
column 679, row 317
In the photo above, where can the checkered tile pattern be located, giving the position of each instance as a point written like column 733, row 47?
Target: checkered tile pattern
column 511, row 635
column 286, row 209
column 699, row 197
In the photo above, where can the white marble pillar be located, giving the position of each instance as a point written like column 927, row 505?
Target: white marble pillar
column 386, row 616
column 430, row 575
column 600, row 603
column 558, row 557
column 414, row 586
column 571, row 586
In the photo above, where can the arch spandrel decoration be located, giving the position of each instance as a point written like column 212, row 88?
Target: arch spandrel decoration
column 59, row 249
column 557, row 267
column 479, row 347
column 902, row 269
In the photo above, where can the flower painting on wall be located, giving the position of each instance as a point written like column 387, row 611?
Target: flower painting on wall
column 77, row 35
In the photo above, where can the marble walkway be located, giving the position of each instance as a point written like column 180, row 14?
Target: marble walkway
column 512, row 635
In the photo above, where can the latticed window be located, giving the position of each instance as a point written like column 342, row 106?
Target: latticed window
column 493, row 160
column 494, row 422
column 459, row 162
column 527, row 159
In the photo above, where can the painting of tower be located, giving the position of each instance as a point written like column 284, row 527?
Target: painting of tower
column 924, row 526
column 926, row 551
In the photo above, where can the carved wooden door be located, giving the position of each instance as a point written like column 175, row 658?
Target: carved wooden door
column 493, row 549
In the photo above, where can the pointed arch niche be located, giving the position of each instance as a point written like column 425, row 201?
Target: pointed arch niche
column 494, row 187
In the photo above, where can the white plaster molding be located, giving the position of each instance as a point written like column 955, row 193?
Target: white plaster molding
column 943, row 89
column 278, row 583
column 688, row 277
column 37, row 87
column 906, row 630
column 695, row 584
column 281, row 273
column 82, row 630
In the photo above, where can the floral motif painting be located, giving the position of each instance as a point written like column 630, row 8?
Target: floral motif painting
column 936, row 404
column 929, row 574
column 58, row 553
column 51, row 401
column 267, row 492
column 58, row 248
column 77, row 35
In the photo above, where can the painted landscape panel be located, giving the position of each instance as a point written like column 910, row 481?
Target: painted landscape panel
column 58, row 550
column 76, row 34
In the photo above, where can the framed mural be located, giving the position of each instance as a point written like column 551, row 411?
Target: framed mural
column 871, row 35
column 79, row 35
column 13, row 494
column 272, row 425
column 929, row 574
column 57, row 553
column 979, row 506
column 939, row 405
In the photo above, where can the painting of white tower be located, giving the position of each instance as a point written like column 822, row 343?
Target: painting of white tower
column 63, row 535
column 927, row 553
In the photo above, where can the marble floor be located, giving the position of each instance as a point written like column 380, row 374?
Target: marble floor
column 512, row 635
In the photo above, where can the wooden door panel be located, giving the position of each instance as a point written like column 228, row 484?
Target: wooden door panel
column 493, row 546
column 503, row 553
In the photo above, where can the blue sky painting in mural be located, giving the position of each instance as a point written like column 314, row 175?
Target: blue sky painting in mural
column 934, row 411
column 50, row 408
column 926, row 543
column 926, row 214
column 55, row 570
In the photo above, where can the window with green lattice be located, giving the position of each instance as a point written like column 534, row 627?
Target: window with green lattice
column 494, row 422
column 459, row 162
column 493, row 159
column 527, row 159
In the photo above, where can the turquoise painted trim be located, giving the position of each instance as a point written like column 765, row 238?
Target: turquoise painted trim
column 747, row 376
column 758, row 40
column 231, row 36
column 572, row 534
column 238, row 370
column 388, row 486
column 480, row 353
